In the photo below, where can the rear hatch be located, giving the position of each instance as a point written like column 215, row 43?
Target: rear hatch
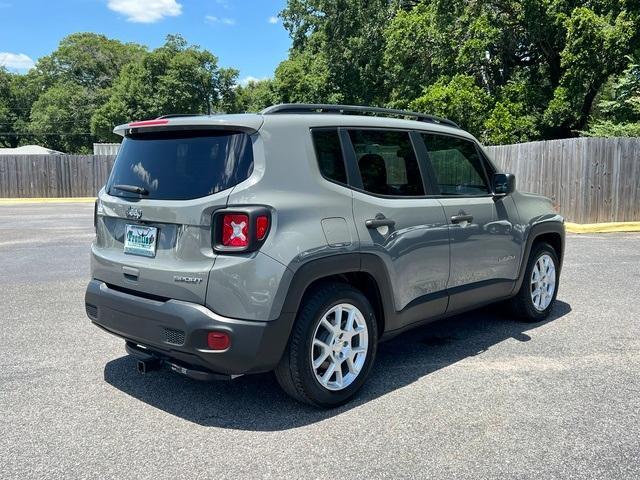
column 154, row 214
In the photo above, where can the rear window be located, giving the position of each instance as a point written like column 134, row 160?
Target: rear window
column 329, row 155
column 181, row 165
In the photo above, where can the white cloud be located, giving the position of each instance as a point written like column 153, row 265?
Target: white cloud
column 224, row 20
column 16, row 61
column 272, row 20
column 249, row 79
column 146, row 11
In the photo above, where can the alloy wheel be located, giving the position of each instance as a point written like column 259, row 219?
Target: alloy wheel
column 339, row 348
column 543, row 282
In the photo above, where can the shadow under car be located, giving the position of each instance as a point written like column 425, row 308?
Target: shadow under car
column 256, row 403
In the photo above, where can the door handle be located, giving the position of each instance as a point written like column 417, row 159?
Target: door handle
column 461, row 218
column 379, row 221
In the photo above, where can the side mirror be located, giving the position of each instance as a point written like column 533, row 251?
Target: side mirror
column 504, row 183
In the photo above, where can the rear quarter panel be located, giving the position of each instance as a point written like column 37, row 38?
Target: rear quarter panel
column 286, row 179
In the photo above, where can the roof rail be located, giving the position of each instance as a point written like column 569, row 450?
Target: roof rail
column 341, row 109
column 178, row 115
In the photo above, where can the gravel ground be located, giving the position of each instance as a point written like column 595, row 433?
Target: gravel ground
column 477, row 396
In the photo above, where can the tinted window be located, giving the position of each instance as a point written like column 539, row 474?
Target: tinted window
column 329, row 155
column 181, row 165
column 387, row 162
column 457, row 165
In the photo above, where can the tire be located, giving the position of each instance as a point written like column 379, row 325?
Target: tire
column 296, row 373
column 523, row 305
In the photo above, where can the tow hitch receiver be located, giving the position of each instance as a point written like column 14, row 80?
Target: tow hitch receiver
column 145, row 366
column 148, row 361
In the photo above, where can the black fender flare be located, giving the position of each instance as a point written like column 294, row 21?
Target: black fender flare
column 535, row 231
column 338, row 264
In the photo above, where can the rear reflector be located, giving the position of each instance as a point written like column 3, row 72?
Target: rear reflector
column 235, row 230
column 262, row 225
column 218, row 340
column 149, row 123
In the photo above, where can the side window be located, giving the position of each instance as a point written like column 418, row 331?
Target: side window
column 387, row 162
column 457, row 165
column 329, row 154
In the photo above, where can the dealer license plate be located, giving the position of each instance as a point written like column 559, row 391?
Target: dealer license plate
column 140, row 240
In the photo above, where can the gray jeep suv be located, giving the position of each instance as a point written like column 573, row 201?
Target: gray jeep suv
column 296, row 239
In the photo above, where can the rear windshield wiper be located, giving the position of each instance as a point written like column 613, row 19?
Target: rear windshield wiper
column 131, row 189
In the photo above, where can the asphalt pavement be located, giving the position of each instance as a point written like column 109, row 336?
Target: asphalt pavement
column 478, row 396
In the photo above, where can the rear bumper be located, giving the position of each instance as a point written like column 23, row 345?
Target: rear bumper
column 177, row 330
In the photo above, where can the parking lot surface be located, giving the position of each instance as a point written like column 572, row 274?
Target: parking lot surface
column 477, row 396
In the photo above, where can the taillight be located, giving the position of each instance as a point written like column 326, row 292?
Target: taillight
column 235, row 230
column 240, row 230
column 218, row 340
column 149, row 123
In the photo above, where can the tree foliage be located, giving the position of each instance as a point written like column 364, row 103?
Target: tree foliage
column 507, row 70
column 60, row 117
column 337, row 51
column 540, row 64
column 175, row 78
column 90, row 83
column 88, row 59
column 618, row 111
column 458, row 98
column 254, row 96
column 6, row 115
column 17, row 95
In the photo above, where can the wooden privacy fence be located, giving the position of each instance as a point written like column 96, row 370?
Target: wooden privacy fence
column 23, row 176
column 590, row 179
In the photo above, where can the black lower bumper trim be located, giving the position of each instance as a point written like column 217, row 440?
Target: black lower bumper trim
column 256, row 346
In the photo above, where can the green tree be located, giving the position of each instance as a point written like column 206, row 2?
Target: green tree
column 175, row 78
column 61, row 116
column 88, row 59
column 562, row 50
column 595, row 48
column 515, row 116
column 618, row 111
column 337, row 50
column 459, row 99
column 59, row 94
column 6, row 115
column 255, row 96
column 17, row 95
column 305, row 78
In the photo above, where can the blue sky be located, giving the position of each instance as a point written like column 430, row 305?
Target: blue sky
column 245, row 34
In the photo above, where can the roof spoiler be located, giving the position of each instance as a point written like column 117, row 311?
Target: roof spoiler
column 249, row 124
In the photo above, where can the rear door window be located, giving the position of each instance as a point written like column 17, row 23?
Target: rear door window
column 181, row 165
column 387, row 162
